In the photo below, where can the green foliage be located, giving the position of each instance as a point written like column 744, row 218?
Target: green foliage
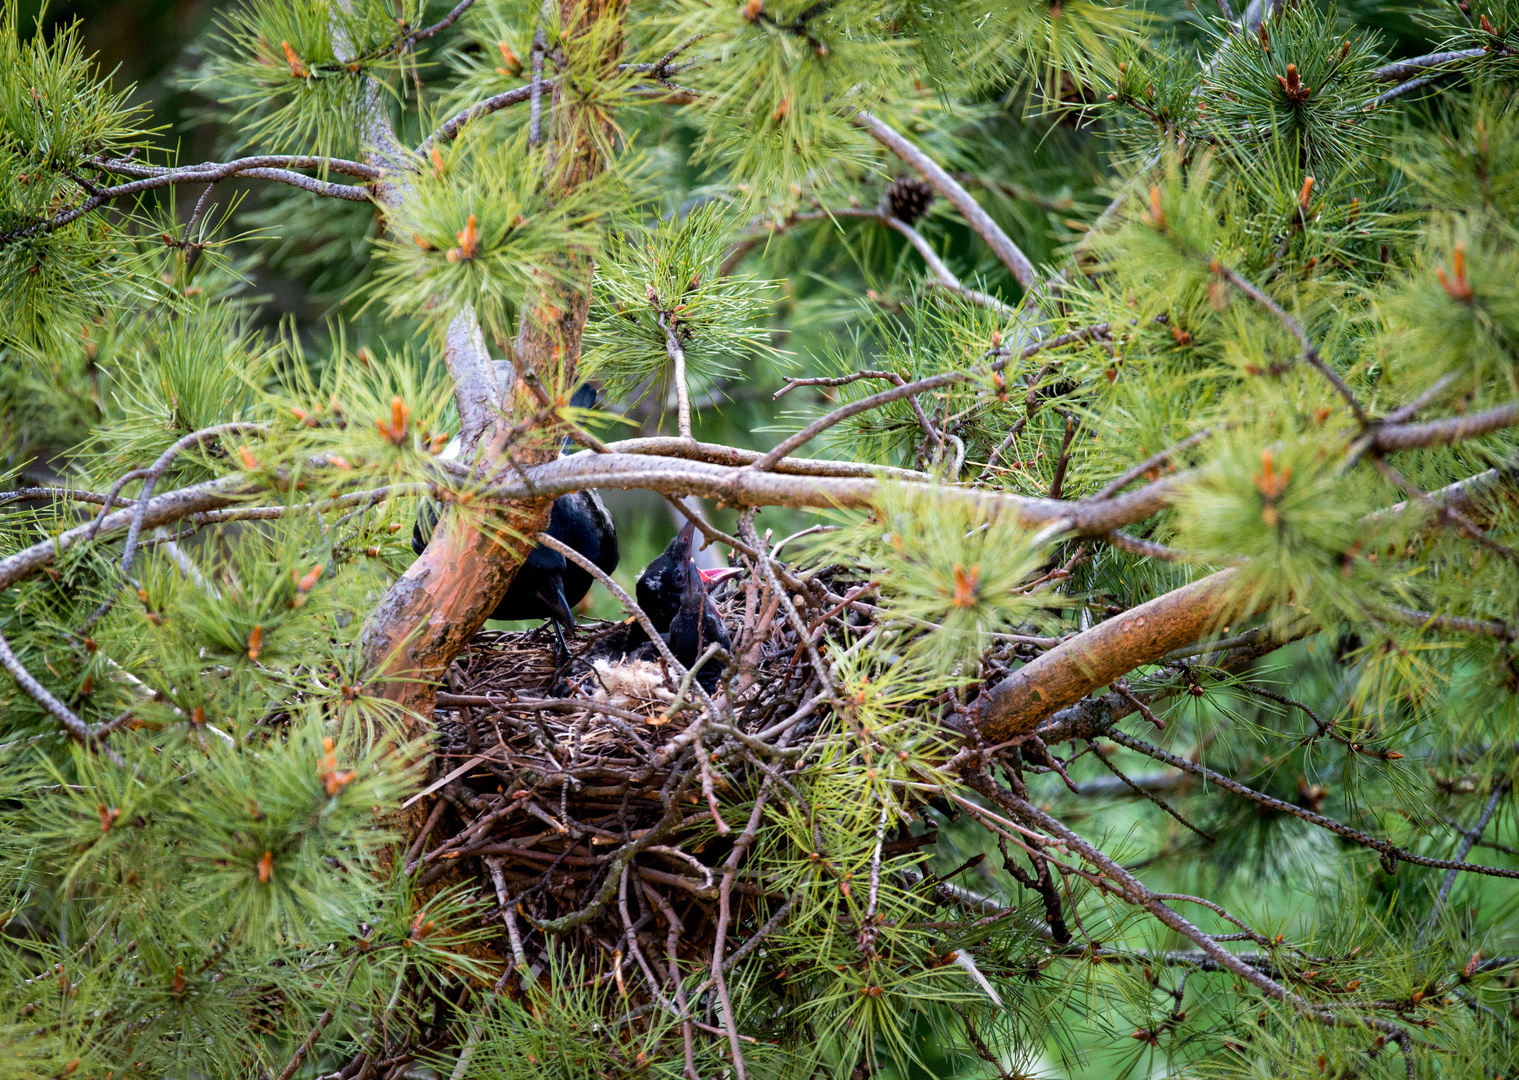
column 1281, row 509
column 667, row 280
column 946, row 563
column 775, row 119
column 1302, row 77
column 940, row 332
column 484, row 225
column 246, row 873
column 295, row 77
column 55, row 114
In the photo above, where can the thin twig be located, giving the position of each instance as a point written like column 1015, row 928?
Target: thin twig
column 195, row 174
column 1464, row 525
column 979, row 220
column 1386, row 847
column 1310, row 351
column 55, row 708
column 1468, row 841
column 932, row 382
column 1151, row 463
column 678, row 376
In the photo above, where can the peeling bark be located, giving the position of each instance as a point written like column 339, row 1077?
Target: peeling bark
column 427, row 617
column 1069, row 672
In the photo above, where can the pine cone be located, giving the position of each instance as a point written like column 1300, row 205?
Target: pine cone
column 908, row 198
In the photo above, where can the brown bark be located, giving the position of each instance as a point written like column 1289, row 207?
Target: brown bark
column 429, row 614
column 553, row 318
column 1069, row 672
column 427, row 617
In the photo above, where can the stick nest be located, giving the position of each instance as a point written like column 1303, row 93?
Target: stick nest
column 591, row 799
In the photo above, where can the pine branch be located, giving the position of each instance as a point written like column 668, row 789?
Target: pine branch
column 195, row 174
column 1310, row 351
column 450, row 128
column 717, row 454
column 161, row 510
column 1446, row 432
column 1386, row 848
column 932, row 382
column 1469, row 840
column 1067, row 673
column 747, row 487
column 1414, row 66
column 90, row 737
column 979, row 220
column 1130, row 889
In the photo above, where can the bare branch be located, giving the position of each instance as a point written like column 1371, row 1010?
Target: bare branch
column 198, row 174
column 1453, row 518
column 162, row 510
column 1386, row 847
column 437, row 27
column 978, row 219
column 844, row 380
column 933, row 382
column 748, row 487
column 55, row 708
column 1310, row 351
column 477, row 393
column 450, row 128
column 1468, row 841
column 1451, row 622
column 719, row 454
column 1404, row 69
column 1398, row 91
column 1068, row 672
column 1452, row 429
column 220, row 171
column 1155, row 461
column 1149, row 549
column 677, row 376
column 1131, row 889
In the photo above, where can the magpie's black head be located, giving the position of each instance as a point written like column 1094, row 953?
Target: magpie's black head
column 663, row 581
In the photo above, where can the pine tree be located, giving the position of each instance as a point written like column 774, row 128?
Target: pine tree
column 1135, row 685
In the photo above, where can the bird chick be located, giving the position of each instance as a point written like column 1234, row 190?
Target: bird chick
column 697, row 625
column 660, row 586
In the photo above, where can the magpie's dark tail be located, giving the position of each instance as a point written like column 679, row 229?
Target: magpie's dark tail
column 584, row 396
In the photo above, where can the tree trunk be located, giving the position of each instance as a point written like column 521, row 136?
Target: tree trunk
column 431, row 612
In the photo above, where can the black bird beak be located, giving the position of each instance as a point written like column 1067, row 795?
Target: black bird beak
column 694, row 589
column 680, row 547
